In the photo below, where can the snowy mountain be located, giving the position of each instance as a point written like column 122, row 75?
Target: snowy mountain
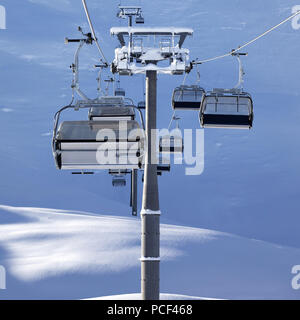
column 249, row 188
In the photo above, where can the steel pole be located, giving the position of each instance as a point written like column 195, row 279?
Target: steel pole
column 150, row 214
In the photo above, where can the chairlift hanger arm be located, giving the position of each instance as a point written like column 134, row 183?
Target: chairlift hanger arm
column 75, row 69
column 241, row 69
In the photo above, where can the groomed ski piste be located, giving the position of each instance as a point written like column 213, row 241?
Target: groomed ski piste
column 231, row 233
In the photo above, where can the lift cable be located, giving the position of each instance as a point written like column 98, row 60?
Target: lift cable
column 248, row 43
column 173, row 117
column 93, row 31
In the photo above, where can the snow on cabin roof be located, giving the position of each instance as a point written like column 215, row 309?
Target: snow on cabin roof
column 151, row 31
column 121, row 31
column 130, row 7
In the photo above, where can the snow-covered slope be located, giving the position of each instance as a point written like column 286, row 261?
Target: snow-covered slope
column 250, row 185
column 163, row 296
column 65, row 254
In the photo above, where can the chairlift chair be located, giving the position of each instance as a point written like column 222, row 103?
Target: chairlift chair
column 171, row 144
column 139, row 20
column 228, row 108
column 76, row 145
column 187, row 97
column 223, row 108
column 119, row 92
column 164, row 164
column 119, row 181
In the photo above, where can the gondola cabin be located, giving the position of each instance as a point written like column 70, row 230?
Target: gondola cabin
column 222, row 108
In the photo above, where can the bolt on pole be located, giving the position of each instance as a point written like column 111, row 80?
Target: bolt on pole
column 150, row 214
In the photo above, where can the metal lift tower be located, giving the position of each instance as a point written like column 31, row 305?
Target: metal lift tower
column 164, row 56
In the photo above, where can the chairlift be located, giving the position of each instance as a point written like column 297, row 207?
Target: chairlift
column 139, row 19
column 172, row 142
column 228, row 108
column 187, row 97
column 223, row 108
column 76, row 144
column 119, row 92
column 119, row 181
column 164, row 164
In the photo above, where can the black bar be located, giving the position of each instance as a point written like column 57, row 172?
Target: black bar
column 230, row 120
column 163, row 309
